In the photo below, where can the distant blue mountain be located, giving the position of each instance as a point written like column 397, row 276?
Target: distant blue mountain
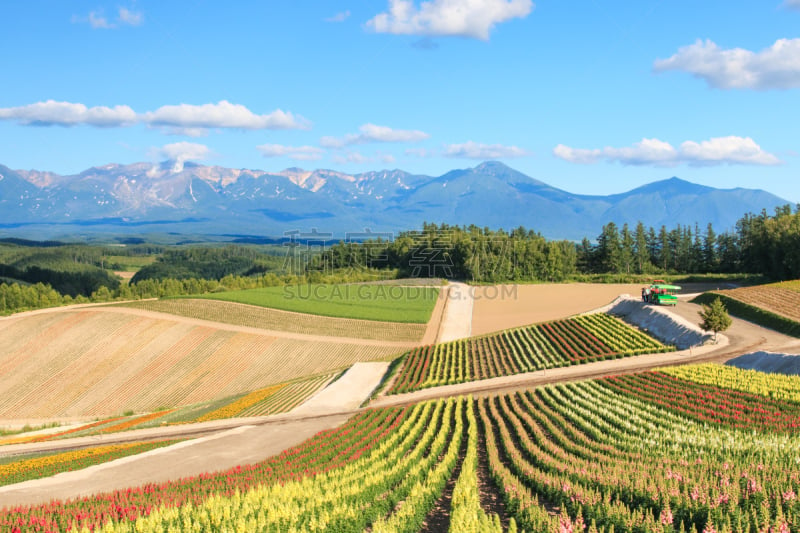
column 197, row 199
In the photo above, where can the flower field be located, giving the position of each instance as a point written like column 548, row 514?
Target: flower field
column 48, row 465
column 778, row 386
column 101, row 363
column 275, row 399
column 552, row 344
column 622, row 454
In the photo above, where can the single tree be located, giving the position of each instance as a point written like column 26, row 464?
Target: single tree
column 715, row 317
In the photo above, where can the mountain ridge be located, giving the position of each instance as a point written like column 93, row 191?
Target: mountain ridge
column 188, row 197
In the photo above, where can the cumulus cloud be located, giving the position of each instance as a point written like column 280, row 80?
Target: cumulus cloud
column 221, row 115
column 462, row 18
column 299, row 153
column 371, row 133
column 339, row 17
column 131, row 18
column 183, row 119
column 181, row 152
column 473, row 150
column 98, row 20
column 729, row 150
column 776, row 67
column 52, row 113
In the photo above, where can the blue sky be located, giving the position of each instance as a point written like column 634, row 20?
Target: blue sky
column 593, row 96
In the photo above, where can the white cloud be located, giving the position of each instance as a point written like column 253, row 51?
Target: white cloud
column 730, row 150
column 181, row 152
column 98, row 20
column 388, row 159
column 52, row 113
column 372, row 133
column 181, row 119
column 300, row 153
column 222, row 115
column 463, row 18
column 792, row 4
column 131, row 18
column 339, row 17
column 776, row 67
column 473, row 150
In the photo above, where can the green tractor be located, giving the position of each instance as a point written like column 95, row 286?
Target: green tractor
column 661, row 293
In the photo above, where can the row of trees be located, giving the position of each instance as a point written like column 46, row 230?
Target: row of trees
column 15, row 297
column 761, row 244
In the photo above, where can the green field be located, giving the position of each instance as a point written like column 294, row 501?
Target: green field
column 366, row 302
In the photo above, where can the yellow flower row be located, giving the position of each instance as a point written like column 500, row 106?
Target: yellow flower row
column 777, row 386
column 246, row 401
column 28, row 465
column 314, row 503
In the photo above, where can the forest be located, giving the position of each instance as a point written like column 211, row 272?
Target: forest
column 763, row 244
column 49, row 274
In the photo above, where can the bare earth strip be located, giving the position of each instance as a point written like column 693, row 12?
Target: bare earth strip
column 500, row 307
column 458, row 311
column 287, row 321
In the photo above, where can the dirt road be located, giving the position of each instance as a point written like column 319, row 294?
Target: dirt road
column 457, row 320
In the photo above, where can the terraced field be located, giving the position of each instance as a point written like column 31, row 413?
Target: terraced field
column 635, row 453
column 552, row 344
column 780, row 298
column 273, row 319
column 96, row 363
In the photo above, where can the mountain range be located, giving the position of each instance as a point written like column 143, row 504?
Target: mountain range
column 189, row 198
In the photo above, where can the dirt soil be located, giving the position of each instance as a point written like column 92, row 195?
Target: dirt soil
column 500, row 307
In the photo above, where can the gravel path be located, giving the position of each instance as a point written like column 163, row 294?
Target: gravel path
column 457, row 320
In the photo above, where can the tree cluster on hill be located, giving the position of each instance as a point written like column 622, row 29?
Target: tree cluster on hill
column 760, row 244
column 209, row 263
column 471, row 253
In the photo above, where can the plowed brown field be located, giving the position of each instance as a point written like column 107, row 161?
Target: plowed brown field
column 500, row 307
column 91, row 362
column 780, row 298
column 274, row 319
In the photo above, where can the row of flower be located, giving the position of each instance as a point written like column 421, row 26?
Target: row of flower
column 615, row 454
column 778, row 386
column 324, row 452
column 710, row 404
column 609, row 461
column 269, row 400
column 51, row 464
column 548, row 345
